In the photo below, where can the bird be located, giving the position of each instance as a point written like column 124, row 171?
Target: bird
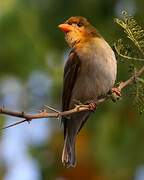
column 89, row 73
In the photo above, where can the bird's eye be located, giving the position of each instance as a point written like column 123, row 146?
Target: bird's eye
column 80, row 24
column 69, row 23
column 75, row 24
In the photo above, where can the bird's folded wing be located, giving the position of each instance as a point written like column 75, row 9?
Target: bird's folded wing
column 71, row 69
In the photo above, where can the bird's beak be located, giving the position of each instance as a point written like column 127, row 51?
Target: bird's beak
column 65, row 27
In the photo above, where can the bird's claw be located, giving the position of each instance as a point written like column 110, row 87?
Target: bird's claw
column 115, row 94
column 92, row 106
column 116, row 91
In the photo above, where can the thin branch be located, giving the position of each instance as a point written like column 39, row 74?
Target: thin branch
column 56, row 114
column 127, row 57
column 14, row 124
column 42, row 114
column 131, row 80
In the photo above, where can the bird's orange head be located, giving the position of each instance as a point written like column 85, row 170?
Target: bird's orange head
column 77, row 29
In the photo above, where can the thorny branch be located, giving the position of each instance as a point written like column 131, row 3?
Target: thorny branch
column 56, row 114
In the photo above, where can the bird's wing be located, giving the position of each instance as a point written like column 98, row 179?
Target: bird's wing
column 71, row 69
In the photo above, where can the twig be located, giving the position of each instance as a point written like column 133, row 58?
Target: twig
column 57, row 114
column 131, row 80
column 42, row 114
column 127, row 57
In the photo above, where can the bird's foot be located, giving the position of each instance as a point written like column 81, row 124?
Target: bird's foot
column 116, row 91
column 116, row 94
column 92, row 106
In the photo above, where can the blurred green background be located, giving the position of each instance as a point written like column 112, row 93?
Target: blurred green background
column 32, row 54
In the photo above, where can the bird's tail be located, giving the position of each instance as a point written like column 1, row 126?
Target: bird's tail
column 71, row 128
column 68, row 155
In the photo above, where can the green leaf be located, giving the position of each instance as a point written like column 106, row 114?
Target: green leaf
column 133, row 31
